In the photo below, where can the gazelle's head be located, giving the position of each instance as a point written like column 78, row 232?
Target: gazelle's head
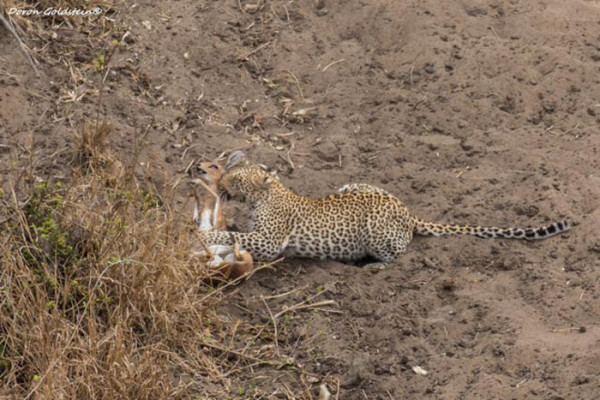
column 210, row 172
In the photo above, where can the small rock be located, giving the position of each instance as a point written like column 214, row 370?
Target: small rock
column 328, row 154
column 549, row 107
column 581, row 380
column 251, row 8
column 466, row 145
column 475, row 11
column 419, row 371
column 556, row 397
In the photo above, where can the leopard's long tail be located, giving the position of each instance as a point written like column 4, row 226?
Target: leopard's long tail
column 432, row 229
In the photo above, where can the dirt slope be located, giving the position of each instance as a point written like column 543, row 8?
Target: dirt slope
column 479, row 112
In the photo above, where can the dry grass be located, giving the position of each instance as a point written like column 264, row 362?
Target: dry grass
column 99, row 296
column 90, row 152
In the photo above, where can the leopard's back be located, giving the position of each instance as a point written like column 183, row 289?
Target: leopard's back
column 344, row 226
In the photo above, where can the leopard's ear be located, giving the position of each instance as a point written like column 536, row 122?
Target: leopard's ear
column 263, row 182
column 269, row 170
column 236, row 158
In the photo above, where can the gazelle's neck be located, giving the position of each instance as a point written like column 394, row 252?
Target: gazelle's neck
column 210, row 209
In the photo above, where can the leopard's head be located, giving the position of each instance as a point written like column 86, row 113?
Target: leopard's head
column 245, row 181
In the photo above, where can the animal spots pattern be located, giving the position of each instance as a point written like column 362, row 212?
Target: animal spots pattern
column 360, row 220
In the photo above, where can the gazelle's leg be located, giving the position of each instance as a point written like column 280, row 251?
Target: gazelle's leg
column 196, row 217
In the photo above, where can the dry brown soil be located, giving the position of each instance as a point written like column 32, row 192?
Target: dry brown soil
column 482, row 112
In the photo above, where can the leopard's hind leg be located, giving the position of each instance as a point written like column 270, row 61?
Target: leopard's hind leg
column 386, row 244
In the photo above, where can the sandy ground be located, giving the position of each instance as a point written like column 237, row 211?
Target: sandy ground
column 479, row 112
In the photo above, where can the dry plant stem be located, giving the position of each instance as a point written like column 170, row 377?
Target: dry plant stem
column 276, row 296
column 332, row 64
column 247, row 56
column 297, row 83
column 205, row 186
column 189, row 148
column 9, row 26
column 180, row 178
column 303, row 306
column 274, row 320
column 240, row 354
column 185, row 171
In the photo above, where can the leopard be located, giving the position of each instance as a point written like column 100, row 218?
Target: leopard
column 358, row 221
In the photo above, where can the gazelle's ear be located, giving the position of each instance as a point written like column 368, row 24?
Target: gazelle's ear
column 235, row 158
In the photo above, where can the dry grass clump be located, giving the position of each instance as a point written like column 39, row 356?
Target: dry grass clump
column 99, row 297
column 91, row 148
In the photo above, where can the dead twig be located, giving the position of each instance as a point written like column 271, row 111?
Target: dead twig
column 494, row 32
column 304, row 306
column 325, row 68
column 239, row 354
column 274, row 326
column 297, row 83
column 276, row 296
column 256, row 50
column 572, row 129
column 205, row 186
